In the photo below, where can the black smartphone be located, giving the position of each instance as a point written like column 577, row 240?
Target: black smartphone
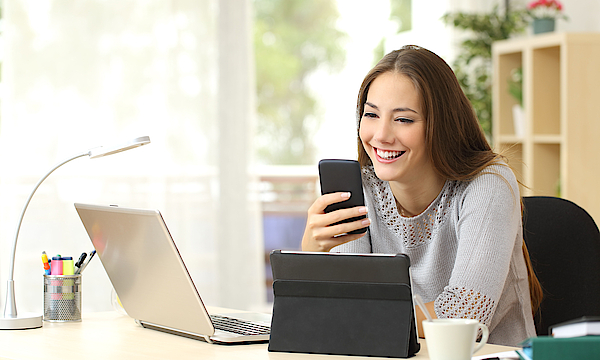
column 340, row 176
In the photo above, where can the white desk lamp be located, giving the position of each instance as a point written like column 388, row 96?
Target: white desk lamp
column 10, row 320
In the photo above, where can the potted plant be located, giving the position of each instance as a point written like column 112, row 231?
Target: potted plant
column 473, row 65
column 544, row 14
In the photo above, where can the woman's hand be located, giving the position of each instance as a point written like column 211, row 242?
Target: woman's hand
column 320, row 235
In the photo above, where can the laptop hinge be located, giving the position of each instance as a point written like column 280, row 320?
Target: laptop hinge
column 173, row 331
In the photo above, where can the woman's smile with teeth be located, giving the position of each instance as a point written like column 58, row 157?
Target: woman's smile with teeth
column 388, row 155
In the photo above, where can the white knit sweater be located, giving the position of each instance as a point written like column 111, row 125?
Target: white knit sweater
column 465, row 249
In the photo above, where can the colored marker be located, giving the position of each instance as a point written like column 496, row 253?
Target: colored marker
column 68, row 267
column 45, row 262
column 56, row 265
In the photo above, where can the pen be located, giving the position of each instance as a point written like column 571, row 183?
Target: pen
column 80, row 270
column 80, row 262
column 45, row 262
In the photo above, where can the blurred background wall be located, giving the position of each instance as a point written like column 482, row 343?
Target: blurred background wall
column 76, row 75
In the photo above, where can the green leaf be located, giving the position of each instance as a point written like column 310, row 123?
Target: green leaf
column 473, row 66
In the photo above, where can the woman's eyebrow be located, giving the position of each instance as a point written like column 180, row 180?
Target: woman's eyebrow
column 399, row 109
column 371, row 105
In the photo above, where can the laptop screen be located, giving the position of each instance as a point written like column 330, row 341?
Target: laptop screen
column 145, row 267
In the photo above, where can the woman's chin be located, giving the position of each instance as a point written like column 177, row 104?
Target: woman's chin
column 385, row 174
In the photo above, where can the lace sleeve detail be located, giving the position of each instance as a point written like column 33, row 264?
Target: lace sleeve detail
column 464, row 304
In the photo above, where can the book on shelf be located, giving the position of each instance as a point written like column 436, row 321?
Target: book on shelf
column 583, row 326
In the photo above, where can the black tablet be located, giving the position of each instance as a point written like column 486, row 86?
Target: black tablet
column 344, row 304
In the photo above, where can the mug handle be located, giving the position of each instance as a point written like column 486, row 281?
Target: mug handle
column 484, row 337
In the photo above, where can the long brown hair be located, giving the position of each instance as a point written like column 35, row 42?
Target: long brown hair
column 457, row 145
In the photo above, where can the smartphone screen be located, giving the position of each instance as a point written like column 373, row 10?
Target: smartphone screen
column 342, row 176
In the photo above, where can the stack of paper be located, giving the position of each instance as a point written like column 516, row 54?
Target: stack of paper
column 585, row 326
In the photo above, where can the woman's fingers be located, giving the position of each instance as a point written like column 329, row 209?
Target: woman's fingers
column 330, row 225
column 327, row 230
column 325, row 200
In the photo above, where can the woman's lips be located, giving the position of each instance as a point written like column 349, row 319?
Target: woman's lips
column 388, row 156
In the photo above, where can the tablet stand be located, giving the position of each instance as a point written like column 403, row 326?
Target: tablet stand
column 343, row 318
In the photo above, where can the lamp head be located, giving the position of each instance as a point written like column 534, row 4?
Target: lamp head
column 109, row 150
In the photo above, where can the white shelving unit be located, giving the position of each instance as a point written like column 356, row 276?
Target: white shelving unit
column 559, row 152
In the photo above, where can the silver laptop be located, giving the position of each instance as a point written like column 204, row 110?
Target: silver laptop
column 152, row 282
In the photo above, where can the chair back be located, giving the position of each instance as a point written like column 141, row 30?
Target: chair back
column 564, row 246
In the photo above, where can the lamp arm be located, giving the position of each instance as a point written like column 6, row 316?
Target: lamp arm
column 10, row 309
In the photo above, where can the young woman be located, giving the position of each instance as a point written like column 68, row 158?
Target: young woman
column 437, row 192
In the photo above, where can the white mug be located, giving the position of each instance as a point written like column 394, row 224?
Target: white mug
column 453, row 339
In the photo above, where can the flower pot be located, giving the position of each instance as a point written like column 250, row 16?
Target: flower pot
column 543, row 25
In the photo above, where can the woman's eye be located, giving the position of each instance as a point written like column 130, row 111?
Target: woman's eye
column 405, row 120
column 369, row 115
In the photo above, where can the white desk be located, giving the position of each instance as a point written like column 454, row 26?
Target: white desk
column 109, row 335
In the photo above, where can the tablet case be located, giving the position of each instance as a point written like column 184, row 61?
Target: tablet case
column 343, row 304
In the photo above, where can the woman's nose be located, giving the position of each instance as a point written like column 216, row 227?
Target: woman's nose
column 383, row 133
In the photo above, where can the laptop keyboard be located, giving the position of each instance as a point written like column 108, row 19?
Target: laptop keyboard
column 238, row 326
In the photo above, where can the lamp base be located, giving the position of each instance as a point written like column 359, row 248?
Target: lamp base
column 21, row 322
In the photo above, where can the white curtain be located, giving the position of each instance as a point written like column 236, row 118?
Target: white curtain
column 80, row 74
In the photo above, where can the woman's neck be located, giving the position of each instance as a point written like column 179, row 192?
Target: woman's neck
column 414, row 198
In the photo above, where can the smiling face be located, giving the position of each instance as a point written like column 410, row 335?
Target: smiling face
column 392, row 130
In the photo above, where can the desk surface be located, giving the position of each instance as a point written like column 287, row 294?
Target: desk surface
column 109, row 335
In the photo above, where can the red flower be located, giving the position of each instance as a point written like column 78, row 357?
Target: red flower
column 545, row 8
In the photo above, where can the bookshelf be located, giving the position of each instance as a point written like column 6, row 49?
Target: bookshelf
column 558, row 153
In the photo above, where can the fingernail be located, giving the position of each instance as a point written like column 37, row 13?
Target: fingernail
column 362, row 209
column 366, row 221
column 345, row 195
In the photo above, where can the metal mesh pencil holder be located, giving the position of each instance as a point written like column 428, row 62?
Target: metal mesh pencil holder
column 62, row 298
